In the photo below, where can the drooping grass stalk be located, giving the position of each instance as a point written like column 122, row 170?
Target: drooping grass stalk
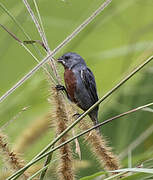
column 18, row 25
column 14, row 20
column 61, row 45
column 100, row 149
column 65, row 166
column 11, row 159
column 98, row 145
column 22, row 44
column 18, row 173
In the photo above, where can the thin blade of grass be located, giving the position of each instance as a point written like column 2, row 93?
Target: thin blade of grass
column 46, row 164
column 91, row 177
column 41, row 170
column 11, row 34
column 35, row 21
column 35, row 41
column 41, row 24
column 14, row 20
column 22, row 44
column 19, row 26
column 43, row 36
column 38, row 172
column 143, row 170
column 138, row 176
column 115, row 176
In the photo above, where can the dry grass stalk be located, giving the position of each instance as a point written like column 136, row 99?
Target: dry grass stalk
column 31, row 134
column 65, row 169
column 98, row 143
column 100, row 148
column 13, row 160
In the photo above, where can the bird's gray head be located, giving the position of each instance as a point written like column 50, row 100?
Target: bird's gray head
column 69, row 60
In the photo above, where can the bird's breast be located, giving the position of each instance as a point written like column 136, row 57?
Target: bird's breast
column 70, row 82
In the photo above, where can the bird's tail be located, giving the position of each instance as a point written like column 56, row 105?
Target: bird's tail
column 94, row 119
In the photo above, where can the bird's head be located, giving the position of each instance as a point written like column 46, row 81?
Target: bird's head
column 69, row 60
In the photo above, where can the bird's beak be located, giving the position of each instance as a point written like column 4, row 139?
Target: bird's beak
column 60, row 60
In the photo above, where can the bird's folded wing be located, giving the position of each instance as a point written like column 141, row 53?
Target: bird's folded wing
column 90, row 84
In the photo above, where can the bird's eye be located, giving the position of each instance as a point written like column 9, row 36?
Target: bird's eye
column 67, row 57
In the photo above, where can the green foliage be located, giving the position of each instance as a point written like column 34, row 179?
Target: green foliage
column 112, row 45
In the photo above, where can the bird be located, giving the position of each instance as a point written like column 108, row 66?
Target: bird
column 80, row 84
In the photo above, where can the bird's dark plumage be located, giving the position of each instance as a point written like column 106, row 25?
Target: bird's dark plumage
column 80, row 83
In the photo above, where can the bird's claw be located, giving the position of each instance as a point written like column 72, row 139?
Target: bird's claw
column 76, row 115
column 60, row 87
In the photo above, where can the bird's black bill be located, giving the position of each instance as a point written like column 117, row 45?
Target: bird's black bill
column 60, row 60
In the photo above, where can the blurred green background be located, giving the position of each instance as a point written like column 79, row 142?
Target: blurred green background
column 118, row 40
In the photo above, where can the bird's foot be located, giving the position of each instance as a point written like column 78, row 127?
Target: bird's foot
column 60, row 87
column 77, row 115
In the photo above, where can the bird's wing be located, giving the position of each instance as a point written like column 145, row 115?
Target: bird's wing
column 90, row 84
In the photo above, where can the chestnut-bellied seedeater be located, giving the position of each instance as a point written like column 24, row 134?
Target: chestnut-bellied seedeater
column 80, row 83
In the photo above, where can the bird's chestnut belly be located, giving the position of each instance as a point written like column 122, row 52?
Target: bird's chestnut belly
column 70, row 82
